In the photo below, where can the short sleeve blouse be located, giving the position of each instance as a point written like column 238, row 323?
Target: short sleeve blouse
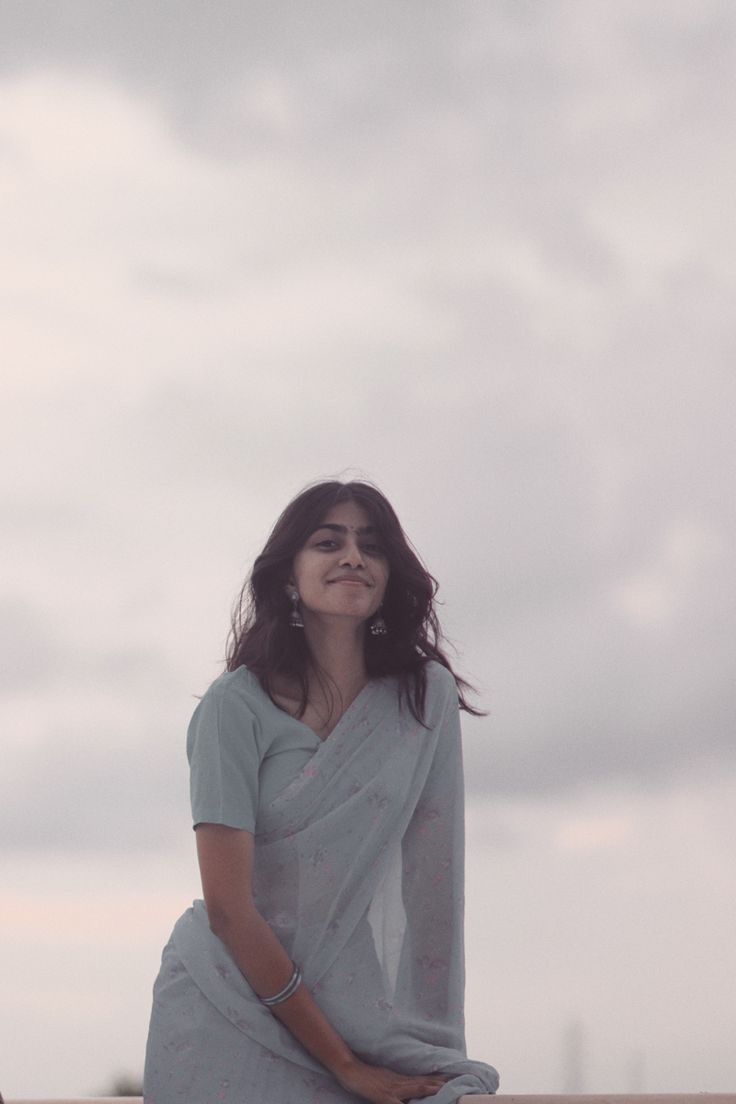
column 242, row 751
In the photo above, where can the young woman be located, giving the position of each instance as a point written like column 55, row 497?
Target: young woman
column 325, row 963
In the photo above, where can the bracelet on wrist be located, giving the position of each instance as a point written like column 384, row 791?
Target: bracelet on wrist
column 291, row 986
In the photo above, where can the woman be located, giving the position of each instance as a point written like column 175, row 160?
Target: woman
column 325, row 963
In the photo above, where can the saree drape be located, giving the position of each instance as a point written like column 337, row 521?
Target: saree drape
column 359, row 870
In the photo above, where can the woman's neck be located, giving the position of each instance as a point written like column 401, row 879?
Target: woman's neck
column 338, row 652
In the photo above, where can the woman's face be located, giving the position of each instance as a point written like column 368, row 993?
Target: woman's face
column 341, row 571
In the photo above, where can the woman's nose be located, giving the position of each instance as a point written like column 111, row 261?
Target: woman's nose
column 351, row 555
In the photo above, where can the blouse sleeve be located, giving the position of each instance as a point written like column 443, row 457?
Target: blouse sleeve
column 224, row 760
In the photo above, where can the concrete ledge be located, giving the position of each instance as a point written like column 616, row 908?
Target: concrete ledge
column 606, row 1098
column 500, row 1098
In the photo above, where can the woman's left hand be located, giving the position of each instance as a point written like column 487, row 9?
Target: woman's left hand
column 384, row 1086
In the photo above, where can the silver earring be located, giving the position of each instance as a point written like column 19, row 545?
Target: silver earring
column 378, row 626
column 295, row 617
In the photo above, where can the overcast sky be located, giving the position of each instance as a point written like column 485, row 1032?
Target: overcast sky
column 483, row 255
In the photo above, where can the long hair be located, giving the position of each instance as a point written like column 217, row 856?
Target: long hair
column 262, row 639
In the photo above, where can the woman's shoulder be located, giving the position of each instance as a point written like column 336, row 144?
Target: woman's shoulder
column 239, row 689
column 440, row 680
column 439, row 676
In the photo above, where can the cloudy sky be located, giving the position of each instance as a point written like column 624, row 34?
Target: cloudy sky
column 481, row 253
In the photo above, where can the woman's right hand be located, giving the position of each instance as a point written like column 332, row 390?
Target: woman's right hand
column 384, row 1086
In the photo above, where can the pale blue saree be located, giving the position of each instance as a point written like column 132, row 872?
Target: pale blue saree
column 359, row 871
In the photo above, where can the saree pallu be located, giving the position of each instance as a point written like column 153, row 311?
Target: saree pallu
column 358, row 869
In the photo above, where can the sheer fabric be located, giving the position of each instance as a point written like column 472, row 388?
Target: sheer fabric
column 359, row 871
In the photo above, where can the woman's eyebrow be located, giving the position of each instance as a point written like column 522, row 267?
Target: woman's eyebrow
column 344, row 528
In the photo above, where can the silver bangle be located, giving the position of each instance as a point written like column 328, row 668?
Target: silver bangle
column 290, row 987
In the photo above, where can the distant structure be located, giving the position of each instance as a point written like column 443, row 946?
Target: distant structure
column 573, row 1079
column 125, row 1085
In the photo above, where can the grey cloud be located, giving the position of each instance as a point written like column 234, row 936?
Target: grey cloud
column 95, row 745
column 537, row 458
column 74, row 795
column 410, row 122
column 362, row 75
column 186, row 52
column 27, row 649
column 572, row 756
column 579, row 700
column 41, row 653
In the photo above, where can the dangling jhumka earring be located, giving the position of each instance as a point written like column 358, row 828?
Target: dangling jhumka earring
column 295, row 617
column 378, row 625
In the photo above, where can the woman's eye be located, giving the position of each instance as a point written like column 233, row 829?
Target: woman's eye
column 326, row 543
column 373, row 549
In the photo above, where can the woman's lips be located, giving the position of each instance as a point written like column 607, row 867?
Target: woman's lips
column 350, row 582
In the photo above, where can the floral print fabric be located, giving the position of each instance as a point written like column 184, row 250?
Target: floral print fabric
column 358, row 869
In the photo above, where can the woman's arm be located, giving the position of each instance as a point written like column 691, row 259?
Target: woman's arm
column 226, row 863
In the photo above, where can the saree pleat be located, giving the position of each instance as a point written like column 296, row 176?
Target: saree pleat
column 359, row 871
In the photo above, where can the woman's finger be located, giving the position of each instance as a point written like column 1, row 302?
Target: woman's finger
column 420, row 1088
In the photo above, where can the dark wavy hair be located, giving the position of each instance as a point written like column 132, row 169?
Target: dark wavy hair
column 262, row 639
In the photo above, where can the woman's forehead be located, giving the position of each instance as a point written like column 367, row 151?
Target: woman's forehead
column 349, row 516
